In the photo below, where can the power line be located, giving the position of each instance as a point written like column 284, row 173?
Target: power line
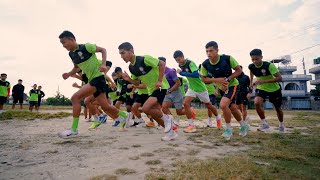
column 303, row 49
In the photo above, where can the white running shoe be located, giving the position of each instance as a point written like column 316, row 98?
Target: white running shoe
column 68, row 134
column 170, row 136
column 209, row 123
column 167, row 123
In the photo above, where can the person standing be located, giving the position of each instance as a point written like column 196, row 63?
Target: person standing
column 17, row 94
column 40, row 96
column 4, row 90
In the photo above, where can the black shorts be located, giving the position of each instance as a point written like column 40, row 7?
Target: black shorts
column 242, row 98
column 100, row 84
column 3, row 100
column 159, row 94
column 274, row 97
column 122, row 98
column 33, row 103
column 231, row 93
column 212, row 98
column 129, row 100
column 141, row 98
column 17, row 99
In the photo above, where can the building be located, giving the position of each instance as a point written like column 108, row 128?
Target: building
column 316, row 71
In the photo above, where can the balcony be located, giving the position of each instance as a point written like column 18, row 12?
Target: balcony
column 293, row 93
column 296, row 77
column 287, row 68
column 315, row 82
column 315, row 70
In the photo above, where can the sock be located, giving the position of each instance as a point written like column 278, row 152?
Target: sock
column 141, row 120
column 96, row 117
column 228, row 125
column 218, row 118
column 120, row 119
column 75, row 123
column 122, row 114
column 281, row 124
column 190, row 121
column 103, row 114
column 264, row 121
column 209, row 118
column 178, row 118
column 241, row 122
column 164, row 117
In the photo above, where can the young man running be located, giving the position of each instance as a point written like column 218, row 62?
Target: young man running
column 84, row 58
column 174, row 95
column 149, row 71
column 218, row 69
column 17, row 94
column 196, row 89
column 267, row 85
column 244, row 94
column 4, row 90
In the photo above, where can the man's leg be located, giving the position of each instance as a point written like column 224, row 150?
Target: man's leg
column 258, row 103
column 152, row 108
column 13, row 105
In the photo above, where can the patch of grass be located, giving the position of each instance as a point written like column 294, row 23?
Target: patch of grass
column 153, row 162
column 134, row 158
column 136, row 145
column 147, row 154
column 173, row 145
column 160, row 150
column 193, row 152
column 124, row 148
column 27, row 115
column 288, row 156
column 156, row 176
column 125, row 171
column 104, row 177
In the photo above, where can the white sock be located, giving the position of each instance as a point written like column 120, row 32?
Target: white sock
column 281, row 124
column 141, row 120
column 264, row 121
column 241, row 122
column 120, row 118
column 178, row 118
column 96, row 117
column 190, row 121
column 218, row 118
column 228, row 125
column 209, row 118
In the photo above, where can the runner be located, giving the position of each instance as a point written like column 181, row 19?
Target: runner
column 267, row 85
column 149, row 71
column 218, row 69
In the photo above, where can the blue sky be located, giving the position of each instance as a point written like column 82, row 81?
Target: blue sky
column 31, row 49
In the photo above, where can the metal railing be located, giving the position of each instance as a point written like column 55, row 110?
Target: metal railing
column 296, row 77
column 315, row 69
column 315, row 82
column 293, row 93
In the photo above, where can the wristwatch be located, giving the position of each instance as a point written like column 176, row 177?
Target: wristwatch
column 169, row 91
column 227, row 79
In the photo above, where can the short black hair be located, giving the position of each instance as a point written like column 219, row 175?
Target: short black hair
column 256, row 52
column 67, row 34
column 39, row 86
column 117, row 69
column 240, row 66
column 126, row 46
column 177, row 54
column 162, row 59
column 20, row 80
column 113, row 74
column 3, row 74
column 212, row 44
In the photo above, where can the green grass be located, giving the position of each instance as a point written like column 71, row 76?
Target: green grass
column 42, row 107
column 27, row 115
column 288, row 156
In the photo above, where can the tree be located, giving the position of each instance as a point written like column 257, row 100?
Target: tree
column 316, row 91
column 59, row 100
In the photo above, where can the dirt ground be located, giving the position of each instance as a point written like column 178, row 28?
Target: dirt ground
column 32, row 150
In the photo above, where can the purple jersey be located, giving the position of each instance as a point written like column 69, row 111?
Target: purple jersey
column 171, row 76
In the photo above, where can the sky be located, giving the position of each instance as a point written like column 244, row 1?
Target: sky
column 31, row 49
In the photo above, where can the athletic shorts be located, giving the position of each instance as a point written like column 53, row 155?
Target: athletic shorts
column 175, row 97
column 39, row 103
column 141, row 98
column 203, row 96
column 100, row 84
column 274, row 97
column 212, row 98
column 129, row 101
column 33, row 103
column 231, row 93
column 242, row 98
column 159, row 94
column 3, row 100
column 17, row 99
